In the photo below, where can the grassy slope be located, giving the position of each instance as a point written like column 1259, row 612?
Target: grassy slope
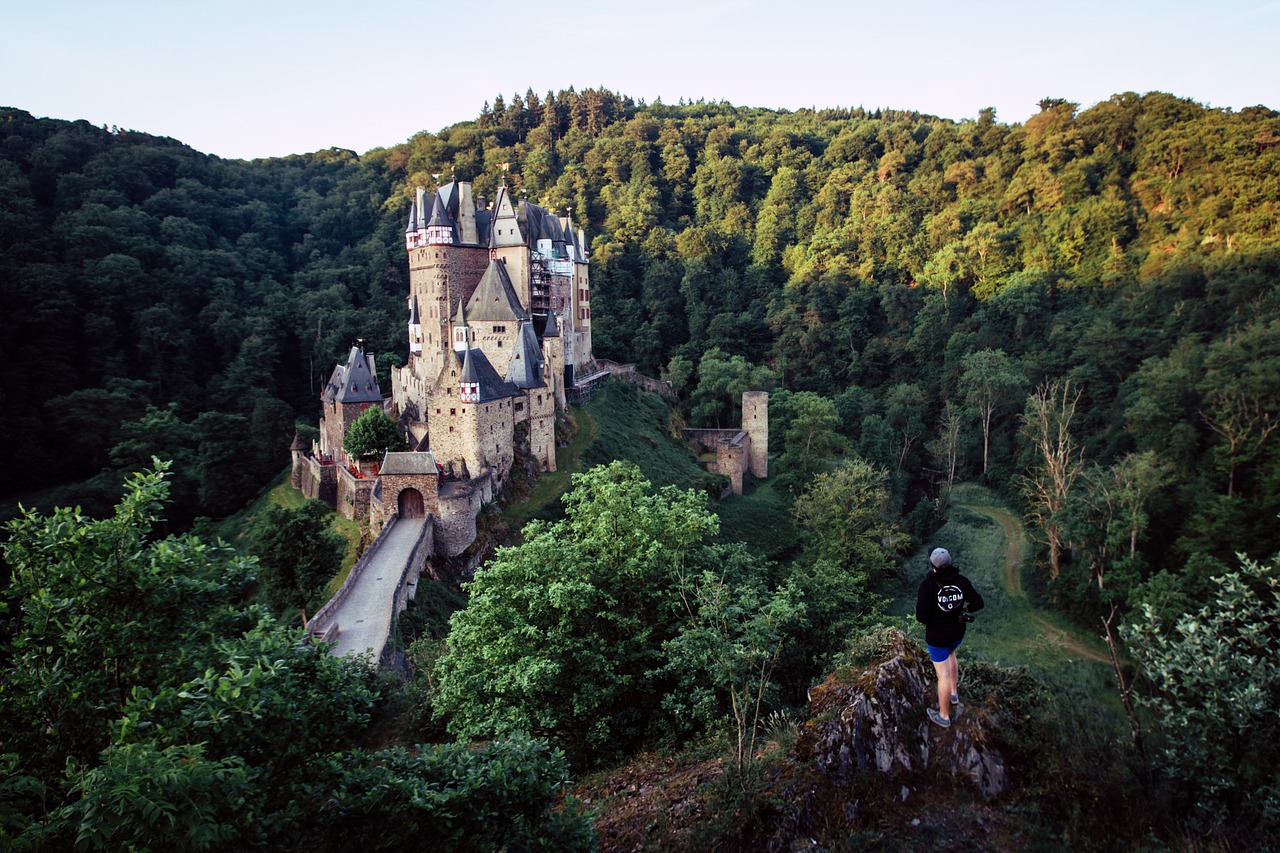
column 620, row 422
column 235, row 528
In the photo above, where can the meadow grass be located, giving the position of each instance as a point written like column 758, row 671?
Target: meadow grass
column 1009, row 631
column 619, row 422
column 761, row 519
column 236, row 528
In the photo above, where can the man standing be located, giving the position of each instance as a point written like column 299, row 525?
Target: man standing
column 943, row 605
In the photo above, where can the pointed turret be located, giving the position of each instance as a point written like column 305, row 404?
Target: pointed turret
column 411, row 229
column 505, row 231
column 461, row 331
column 468, row 380
column 440, row 227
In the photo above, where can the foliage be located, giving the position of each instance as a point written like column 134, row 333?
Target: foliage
column 505, row 795
column 298, row 554
column 733, row 641
column 1214, row 682
column 564, row 634
column 146, row 705
column 850, row 543
column 809, row 426
column 372, row 435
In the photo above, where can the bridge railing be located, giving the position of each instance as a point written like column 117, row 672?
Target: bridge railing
column 408, row 576
column 316, row 627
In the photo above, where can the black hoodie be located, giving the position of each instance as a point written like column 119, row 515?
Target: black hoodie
column 944, row 594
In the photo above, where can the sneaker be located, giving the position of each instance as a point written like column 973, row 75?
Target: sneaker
column 955, row 699
column 938, row 719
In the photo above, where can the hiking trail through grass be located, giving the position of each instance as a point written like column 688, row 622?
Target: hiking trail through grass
column 1015, row 547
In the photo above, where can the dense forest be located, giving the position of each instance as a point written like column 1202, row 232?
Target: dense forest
column 1079, row 311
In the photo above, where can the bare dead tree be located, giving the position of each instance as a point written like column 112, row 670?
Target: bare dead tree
column 1048, row 486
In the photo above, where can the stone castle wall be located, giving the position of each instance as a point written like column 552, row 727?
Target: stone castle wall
column 459, row 505
column 732, row 448
column 353, row 495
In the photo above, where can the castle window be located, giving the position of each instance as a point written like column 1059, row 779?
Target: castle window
column 453, row 411
column 450, row 427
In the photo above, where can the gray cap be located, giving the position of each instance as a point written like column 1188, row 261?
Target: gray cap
column 940, row 558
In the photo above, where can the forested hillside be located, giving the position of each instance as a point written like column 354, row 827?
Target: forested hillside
column 1079, row 312
column 161, row 301
column 891, row 262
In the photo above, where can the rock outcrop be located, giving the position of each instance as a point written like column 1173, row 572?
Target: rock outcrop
column 875, row 720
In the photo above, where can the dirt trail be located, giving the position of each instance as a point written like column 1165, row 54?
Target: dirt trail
column 1015, row 546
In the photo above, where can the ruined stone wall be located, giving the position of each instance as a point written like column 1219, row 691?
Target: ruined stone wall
column 318, row 482
column 731, row 460
column 732, row 448
column 628, row 373
column 755, row 420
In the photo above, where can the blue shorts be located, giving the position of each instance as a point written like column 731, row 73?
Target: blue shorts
column 938, row 654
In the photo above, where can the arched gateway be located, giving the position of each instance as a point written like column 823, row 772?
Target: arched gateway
column 410, row 504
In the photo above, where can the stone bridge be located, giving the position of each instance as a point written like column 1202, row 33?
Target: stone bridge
column 360, row 618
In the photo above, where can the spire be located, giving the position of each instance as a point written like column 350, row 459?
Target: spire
column 461, row 331
column 415, row 221
column 468, row 380
column 505, row 230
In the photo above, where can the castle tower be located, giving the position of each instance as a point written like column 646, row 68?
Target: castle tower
column 755, row 421
column 429, row 247
column 353, row 387
column 507, row 242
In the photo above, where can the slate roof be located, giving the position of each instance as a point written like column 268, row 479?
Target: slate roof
column 413, row 311
column 494, row 300
column 538, row 223
column 475, row 367
column 409, row 462
column 550, row 325
column 525, row 370
column 353, row 382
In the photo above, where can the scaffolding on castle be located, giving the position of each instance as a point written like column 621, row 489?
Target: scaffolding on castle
column 584, row 388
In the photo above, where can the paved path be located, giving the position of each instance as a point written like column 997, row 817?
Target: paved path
column 364, row 618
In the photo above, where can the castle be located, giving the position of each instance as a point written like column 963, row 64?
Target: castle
column 499, row 340
column 499, row 337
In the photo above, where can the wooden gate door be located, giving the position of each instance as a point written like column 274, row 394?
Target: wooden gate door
column 410, row 504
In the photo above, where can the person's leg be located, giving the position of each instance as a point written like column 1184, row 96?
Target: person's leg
column 943, row 669
column 953, row 667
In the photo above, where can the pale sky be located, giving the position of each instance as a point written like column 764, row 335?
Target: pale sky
column 276, row 77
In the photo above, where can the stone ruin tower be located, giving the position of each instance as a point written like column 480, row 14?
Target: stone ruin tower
column 755, row 422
